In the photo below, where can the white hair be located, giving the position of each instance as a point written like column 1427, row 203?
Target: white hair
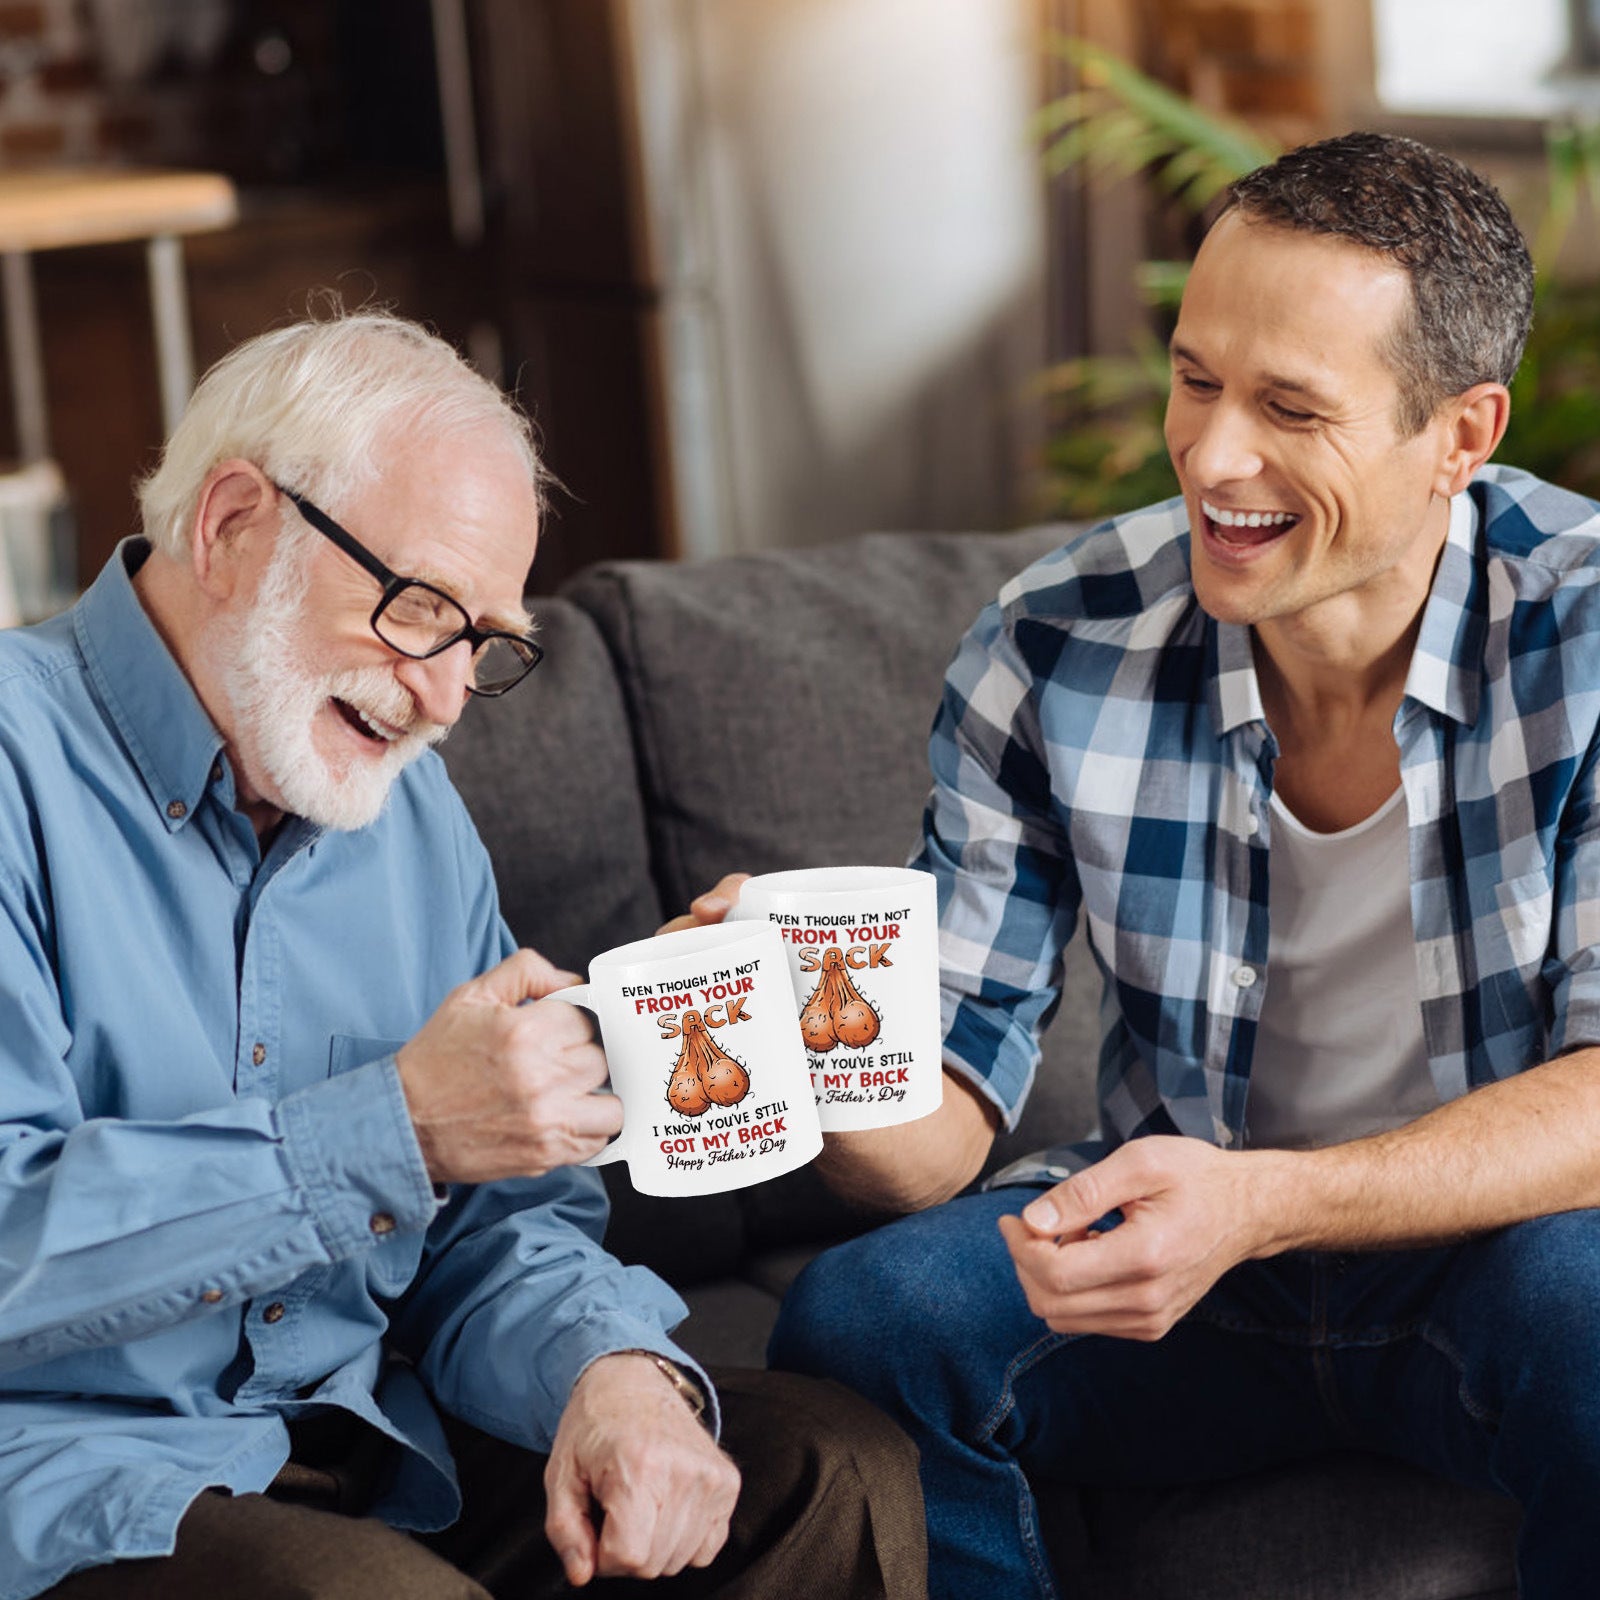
column 311, row 404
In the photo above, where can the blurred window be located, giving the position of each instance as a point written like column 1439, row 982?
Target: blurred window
column 1533, row 58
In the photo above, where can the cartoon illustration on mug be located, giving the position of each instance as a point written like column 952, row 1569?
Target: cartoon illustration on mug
column 836, row 1013
column 705, row 1074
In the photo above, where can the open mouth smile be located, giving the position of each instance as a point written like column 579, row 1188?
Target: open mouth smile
column 1246, row 530
column 365, row 724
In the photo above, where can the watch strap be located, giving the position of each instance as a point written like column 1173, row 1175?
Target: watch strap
column 686, row 1383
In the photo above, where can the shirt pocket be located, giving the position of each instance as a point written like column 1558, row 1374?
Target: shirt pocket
column 393, row 1263
column 1527, row 910
column 347, row 1051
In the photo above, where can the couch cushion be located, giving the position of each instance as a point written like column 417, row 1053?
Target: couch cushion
column 728, row 1323
column 549, row 775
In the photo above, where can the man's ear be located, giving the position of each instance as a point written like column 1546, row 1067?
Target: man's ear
column 235, row 523
column 1474, row 423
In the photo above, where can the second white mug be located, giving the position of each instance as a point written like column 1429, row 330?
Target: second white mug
column 863, row 951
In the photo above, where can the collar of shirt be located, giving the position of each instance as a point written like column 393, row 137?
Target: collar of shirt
column 1446, row 665
column 170, row 739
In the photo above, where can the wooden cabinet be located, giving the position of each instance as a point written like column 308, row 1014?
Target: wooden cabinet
column 576, row 297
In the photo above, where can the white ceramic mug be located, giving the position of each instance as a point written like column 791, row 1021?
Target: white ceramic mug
column 698, row 1028
column 863, row 949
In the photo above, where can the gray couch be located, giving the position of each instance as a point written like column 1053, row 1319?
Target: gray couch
column 771, row 711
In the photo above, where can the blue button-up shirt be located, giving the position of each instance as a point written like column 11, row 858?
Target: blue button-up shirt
column 214, row 1215
column 1102, row 747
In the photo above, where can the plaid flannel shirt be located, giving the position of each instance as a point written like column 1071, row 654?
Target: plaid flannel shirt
column 1101, row 744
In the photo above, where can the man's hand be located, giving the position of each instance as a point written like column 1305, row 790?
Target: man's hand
column 1189, row 1214
column 664, row 1490
column 500, row 1089
column 711, row 907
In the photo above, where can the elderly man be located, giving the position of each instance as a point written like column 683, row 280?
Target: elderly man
column 292, row 1251
column 1313, row 750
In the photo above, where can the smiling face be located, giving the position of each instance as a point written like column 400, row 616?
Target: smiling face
column 321, row 714
column 1305, row 503
column 277, row 696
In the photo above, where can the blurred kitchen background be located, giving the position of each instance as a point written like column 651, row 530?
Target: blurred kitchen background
column 764, row 271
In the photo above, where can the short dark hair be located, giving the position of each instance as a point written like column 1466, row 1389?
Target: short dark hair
column 1446, row 227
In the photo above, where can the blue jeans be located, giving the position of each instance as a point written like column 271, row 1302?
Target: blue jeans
column 1480, row 1362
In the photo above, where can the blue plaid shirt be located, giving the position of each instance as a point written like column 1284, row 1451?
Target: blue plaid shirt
column 1101, row 746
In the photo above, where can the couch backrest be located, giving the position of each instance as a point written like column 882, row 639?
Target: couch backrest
column 781, row 702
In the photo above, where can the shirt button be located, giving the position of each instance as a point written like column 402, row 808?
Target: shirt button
column 1252, row 825
column 216, row 771
column 177, row 810
column 274, row 1312
column 259, row 1054
column 1243, row 977
column 211, row 1296
column 381, row 1222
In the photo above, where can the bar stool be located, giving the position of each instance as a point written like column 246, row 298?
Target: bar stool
column 54, row 210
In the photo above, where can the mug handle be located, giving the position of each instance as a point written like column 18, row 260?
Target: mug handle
column 578, row 995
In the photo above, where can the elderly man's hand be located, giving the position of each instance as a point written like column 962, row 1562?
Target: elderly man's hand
column 665, row 1492
column 1190, row 1212
column 711, row 907
column 499, row 1089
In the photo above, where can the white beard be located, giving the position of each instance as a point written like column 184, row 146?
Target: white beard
column 276, row 695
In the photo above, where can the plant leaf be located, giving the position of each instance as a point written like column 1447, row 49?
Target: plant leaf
column 1227, row 146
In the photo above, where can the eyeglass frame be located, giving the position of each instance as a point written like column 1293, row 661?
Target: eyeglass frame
column 393, row 584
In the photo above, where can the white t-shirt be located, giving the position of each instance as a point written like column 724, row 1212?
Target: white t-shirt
column 1339, row 1048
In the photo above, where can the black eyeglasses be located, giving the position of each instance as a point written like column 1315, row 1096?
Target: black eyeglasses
column 421, row 621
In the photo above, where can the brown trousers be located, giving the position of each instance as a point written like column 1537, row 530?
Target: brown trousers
column 830, row 1506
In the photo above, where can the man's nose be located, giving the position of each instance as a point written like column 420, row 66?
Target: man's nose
column 439, row 683
column 1226, row 447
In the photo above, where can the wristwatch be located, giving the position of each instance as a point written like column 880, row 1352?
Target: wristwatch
column 687, row 1385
